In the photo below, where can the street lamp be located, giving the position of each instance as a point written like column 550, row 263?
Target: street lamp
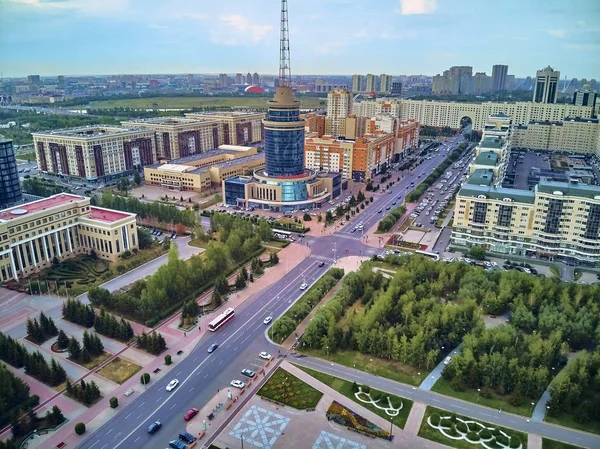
column 545, row 414
column 531, row 411
column 478, row 391
column 327, row 350
column 391, row 427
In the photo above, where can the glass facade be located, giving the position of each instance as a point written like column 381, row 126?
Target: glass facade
column 234, row 190
column 284, row 152
column 10, row 189
column 293, row 191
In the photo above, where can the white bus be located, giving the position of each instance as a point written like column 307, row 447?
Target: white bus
column 281, row 234
column 221, row 319
column 428, row 254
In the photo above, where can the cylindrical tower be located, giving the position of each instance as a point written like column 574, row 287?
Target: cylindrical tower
column 10, row 189
column 284, row 136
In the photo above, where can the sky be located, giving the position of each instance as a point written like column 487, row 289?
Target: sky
column 97, row 37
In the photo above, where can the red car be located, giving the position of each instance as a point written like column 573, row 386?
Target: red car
column 189, row 415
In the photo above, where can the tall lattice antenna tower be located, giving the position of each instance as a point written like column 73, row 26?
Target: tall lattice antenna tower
column 285, row 71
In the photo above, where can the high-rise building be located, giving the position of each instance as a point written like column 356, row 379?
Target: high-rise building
column 339, row 106
column 458, row 80
column 481, row 83
column 371, row 84
column 396, row 88
column 385, row 83
column 255, row 78
column 499, row 74
column 546, row 86
column 249, row 78
column 357, row 83
column 223, row 80
column 61, row 82
column 585, row 97
column 239, row 78
column 33, row 80
column 10, row 189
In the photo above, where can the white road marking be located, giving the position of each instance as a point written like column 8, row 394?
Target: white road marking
column 221, row 361
column 94, row 444
column 117, row 435
column 135, row 441
column 159, row 399
column 173, row 406
column 178, row 373
column 104, row 446
column 109, row 431
column 192, row 389
column 128, row 415
column 206, row 375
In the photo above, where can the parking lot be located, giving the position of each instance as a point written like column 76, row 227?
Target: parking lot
column 440, row 194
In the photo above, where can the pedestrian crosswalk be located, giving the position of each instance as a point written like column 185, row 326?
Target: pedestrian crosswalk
column 322, row 258
column 356, row 237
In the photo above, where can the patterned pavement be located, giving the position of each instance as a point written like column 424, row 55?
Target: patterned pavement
column 260, row 427
column 327, row 440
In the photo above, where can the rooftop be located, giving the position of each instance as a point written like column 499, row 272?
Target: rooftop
column 570, row 189
column 481, row 176
column 225, row 114
column 107, row 215
column 241, row 160
column 176, row 168
column 491, row 142
column 38, row 206
column 486, row 158
column 168, row 121
column 91, row 132
column 497, row 193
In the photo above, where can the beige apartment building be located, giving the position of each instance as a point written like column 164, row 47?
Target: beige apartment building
column 61, row 226
column 572, row 134
column 94, row 152
column 446, row 113
column 555, row 221
column 339, row 106
column 235, row 128
column 178, row 137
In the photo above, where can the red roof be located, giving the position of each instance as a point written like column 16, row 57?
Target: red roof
column 38, row 206
column 107, row 215
column 255, row 90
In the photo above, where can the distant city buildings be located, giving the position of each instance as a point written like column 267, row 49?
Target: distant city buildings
column 572, row 134
column 385, row 83
column 239, row 78
column 371, row 83
column 459, row 80
column 396, row 88
column 499, row 74
column 546, row 85
column 357, row 83
column 585, row 97
column 10, row 187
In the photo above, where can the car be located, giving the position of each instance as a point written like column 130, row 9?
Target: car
column 267, row 320
column 190, row 414
column 380, row 211
column 447, row 360
column 303, row 286
column 212, row 348
column 387, row 208
column 153, row 428
column 393, row 203
column 248, row 372
column 265, row 355
column 237, row 384
column 172, row 385
column 175, row 444
column 321, row 264
column 187, row 437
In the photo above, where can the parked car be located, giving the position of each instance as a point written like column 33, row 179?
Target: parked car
column 265, row 356
column 190, row 414
column 187, row 437
column 237, row 384
column 175, row 444
column 248, row 372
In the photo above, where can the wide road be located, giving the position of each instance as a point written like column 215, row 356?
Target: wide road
column 451, row 404
column 240, row 341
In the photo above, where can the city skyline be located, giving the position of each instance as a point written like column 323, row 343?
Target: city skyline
column 134, row 37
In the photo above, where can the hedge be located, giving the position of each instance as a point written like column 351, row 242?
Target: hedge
column 391, row 219
column 145, row 378
column 114, row 402
column 80, row 428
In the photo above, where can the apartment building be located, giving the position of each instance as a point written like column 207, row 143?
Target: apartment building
column 61, row 226
column 235, row 128
column 407, row 132
column 572, row 134
column 339, row 106
column 557, row 220
column 546, row 85
column 315, row 123
column 371, row 83
column 358, row 83
column 385, row 83
column 94, row 152
column 357, row 159
column 371, row 108
column 178, row 137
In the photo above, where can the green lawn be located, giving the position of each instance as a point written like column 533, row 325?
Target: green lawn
column 289, row 390
column 370, row 364
column 552, row 444
column 345, row 387
column 430, row 433
column 496, row 401
column 201, row 102
column 568, row 420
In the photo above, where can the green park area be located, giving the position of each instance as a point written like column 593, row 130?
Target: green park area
column 214, row 102
column 402, row 327
column 287, row 389
column 466, row 433
column 386, row 405
column 119, row 370
column 552, row 444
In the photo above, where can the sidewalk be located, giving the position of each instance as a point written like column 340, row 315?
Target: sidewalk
column 101, row 412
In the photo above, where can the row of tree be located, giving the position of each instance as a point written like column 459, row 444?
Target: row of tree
column 391, row 219
column 92, row 347
column 41, row 187
column 42, row 330
column 153, row 343
column 12, row 351
column 13, row 392
column 52, row 373
column 77, row 312
column 22, row 425
column 86, row 393
column 161, row 212
column 106, row 324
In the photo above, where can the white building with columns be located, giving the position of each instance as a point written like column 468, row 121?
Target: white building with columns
column 61, row 226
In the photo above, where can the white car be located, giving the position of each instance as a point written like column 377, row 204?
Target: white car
column 172, row 385
column 303, row 286
column 447, row 360
column 237, row 384
column 265, row 355
column 268, row 320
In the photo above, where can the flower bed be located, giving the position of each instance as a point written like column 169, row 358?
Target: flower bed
column 346, row 417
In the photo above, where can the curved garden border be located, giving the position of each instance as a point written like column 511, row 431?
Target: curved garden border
column 394, row 411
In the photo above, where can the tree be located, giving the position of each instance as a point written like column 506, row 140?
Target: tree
column 240, row 283
column 144, row 238
column 74, row 348
column 361, row 196
column 328, row 217
column 80, row 428
column 216, row 298
column 477, row 252
column 145, row 379
column 123, row 184
column 137, row 179
column 166, row 243
column 168, row 359
column 307, row 217
column 114, row 402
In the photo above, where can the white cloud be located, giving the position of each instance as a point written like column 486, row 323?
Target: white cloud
column 236, row 29
column 90, row 7
column 583, row 47
column 557, row 33
column 410, row 7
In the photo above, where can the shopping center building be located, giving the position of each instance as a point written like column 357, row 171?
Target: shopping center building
column 62, row 226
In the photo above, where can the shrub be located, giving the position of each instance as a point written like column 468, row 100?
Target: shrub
column 121, row 269
column 502, row 440
column 435, row 419
column 515, row 398
column 485, row 434
column 462, row 427
column 376, row 395
column 114, row 402
column 366, row 389
column 446, row 422
column 80, row 428
column 354, row 387
column 145, row 378
column 515, row 442
column 486, row 392
column 168, row 359
column 473, row 436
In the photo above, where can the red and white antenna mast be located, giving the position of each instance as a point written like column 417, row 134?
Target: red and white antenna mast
column 285, row 71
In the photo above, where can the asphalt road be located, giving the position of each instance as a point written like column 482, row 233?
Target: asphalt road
column 202, row 374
